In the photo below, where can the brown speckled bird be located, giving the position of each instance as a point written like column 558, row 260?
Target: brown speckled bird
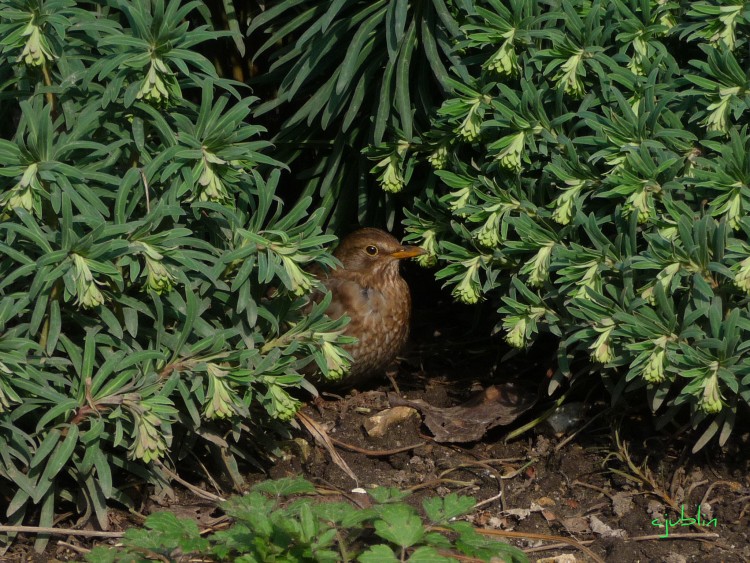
column 369, row 289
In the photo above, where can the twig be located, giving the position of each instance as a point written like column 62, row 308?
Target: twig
column 696, row 536
column 498, row 496
column 59, row 532
column 70, row 546
column 733, row 485
column 192, row 488
column 374, row 453
column 554, row 546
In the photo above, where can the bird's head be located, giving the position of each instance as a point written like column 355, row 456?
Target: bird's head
column 373, row 251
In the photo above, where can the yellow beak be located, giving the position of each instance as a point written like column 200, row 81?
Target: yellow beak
column 408, row 252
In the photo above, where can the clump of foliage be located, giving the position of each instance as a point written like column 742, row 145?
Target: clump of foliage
column 345, row 75
column 583, row 164
column 285, row 520
column 137, row 245
column 594, row 180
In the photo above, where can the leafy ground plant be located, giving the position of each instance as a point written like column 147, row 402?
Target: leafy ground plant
column 137, row 245
column 284, row 520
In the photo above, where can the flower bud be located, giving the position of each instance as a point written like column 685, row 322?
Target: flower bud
column 158, row 277
column 336, row 364
column 219, row 394
column 429, row 243
column 472, row 123
column 392, row 180
column 510, row 157
column 300, row 282
column 516, row 336
column 505, row 60
column 538, row 267
column 653, row 372
column 710, row 401
column 568, row 78
column 35, row 51
column 88, row 295
column 149, row 443
column 439, row 157
column 468, row 290
column 281, row 405
column 601, row 349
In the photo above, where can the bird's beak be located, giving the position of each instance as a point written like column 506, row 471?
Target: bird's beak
column 408, row 252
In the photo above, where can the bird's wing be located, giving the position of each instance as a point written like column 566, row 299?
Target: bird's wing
column 345, row 294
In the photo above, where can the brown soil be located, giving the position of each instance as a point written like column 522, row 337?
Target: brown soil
column 575, row 485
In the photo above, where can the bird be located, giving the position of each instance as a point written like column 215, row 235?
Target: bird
column 369, row 289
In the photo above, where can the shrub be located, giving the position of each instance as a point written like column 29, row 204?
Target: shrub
column 137, row 245
column 586, row 169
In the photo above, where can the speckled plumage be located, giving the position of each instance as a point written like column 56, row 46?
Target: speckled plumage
column 370, row 290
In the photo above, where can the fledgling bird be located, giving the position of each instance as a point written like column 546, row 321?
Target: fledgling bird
column 369, row 289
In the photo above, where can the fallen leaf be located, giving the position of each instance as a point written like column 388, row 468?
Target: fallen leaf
column 498, row 405
column 602, row 529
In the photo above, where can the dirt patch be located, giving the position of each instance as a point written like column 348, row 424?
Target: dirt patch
column 592, row 484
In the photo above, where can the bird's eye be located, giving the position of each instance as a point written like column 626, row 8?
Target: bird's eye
column 371, row 250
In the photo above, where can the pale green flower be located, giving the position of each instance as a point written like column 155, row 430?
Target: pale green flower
column 158, row 277
column 22, row 194
column 538, row 267
column 468, row 290
column 510, row 156
column 430, row 244
column 742, row 276
column 219, row 393
column 149, row 443
column 733, row 210
column 728, row 18
column 653, row 372
column 336, row 364
column 505, row 60
column 439, row 157
column 641, row 202
column 568, row 77
column 718, row 119
column 472, row 123
column 589, row 280
column 664, row 278
column 670, row 232
column 36, row 51
column 88, row 295
column 458, row 199
column 153, row 88
column 668, row 20
column 565, row 202
column 640, row 47
column 212, row 188
column 300, row 282
column 601, row 349
column 488, row 234
column 710, row 401
column 281, row 404
column 392, row 179
column 516, row 336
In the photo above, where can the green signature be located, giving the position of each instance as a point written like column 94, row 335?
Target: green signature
column 682, row 521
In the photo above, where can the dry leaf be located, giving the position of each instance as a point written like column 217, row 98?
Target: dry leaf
column 498, row 405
